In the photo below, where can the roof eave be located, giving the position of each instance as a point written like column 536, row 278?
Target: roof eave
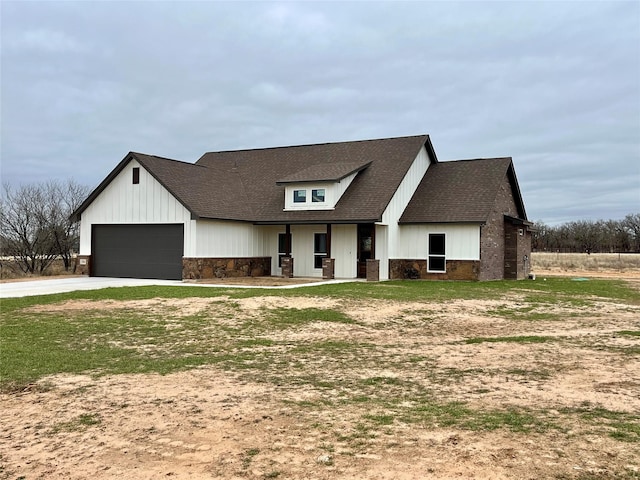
column 326, row 180
column 77, row 214
column 433, row 222
column 518, row 221
column 317, row 222
column 516, row 188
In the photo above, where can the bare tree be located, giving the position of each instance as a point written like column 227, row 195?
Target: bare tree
column 590, row 236
column 632, row 224
column 24, row 228
column 64, row 199
column 35, row 223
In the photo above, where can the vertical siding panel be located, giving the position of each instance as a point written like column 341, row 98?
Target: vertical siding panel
column 302, row 249
column 228, row 239
column 123, row 202
column 344, row 249
column 401, row 199
column 164, row 203
column 160, row 206
column 189, row 236
column 382, row 250
column 267, row 245
column 462, row 241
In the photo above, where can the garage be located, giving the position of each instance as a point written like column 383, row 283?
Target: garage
column 138, row 251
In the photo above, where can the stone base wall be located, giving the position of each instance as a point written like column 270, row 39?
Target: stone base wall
column 83, row 264
column 198, row 268
column 400, row 269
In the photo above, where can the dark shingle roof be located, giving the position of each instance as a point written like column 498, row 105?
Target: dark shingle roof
column 461, row 191
column 365, row 200
column 197, row 186
column 243, row 184
column 325, row 172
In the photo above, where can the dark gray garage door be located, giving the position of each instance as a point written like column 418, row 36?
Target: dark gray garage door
column 137, row 251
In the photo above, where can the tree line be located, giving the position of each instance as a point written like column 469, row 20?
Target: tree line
column 600, row 236
column 36, row 226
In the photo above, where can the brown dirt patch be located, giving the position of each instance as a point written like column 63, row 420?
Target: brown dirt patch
column 233, row 424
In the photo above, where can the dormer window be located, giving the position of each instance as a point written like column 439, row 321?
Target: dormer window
column 317, row 195
column 300, row 196
column 320, row 186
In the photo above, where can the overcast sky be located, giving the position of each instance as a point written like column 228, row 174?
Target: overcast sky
column 554, row 85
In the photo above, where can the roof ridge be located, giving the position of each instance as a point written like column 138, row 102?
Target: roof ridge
column 475, row 159
column 135, row 154
column 314, row 144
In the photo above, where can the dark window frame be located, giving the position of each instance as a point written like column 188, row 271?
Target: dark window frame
column 282, row 248
column 300, row 196
column 316, row 197
column 136, row 175
column 437, row 259
column 319, row 249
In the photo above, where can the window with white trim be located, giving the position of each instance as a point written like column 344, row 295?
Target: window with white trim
column 299, row 196
column 319, row 249
column 317, row 195
column 436, row 261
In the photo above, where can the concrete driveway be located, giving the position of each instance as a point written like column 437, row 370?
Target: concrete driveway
column 61, row 285
column 71, row 284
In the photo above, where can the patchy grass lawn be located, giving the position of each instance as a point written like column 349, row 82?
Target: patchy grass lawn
column 532, row 379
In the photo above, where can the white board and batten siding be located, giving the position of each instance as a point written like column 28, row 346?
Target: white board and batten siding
column 219, row 239
column 462, row 241
column 387, row 238
column 344, row 248
column 123, row 202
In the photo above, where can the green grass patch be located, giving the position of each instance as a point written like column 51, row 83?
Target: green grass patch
column 380, row 420
column 459, row 414
column 625, row 432
column 255, row 342
column 622, row 426
column 518, row 421
column 375, row 381
column 629, row 333
column 528, row 312
column 79, row 424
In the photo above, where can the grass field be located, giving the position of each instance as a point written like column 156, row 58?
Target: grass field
column 567, row 262
column 531, row 379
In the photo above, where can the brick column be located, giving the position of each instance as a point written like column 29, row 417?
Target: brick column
column 328, row 268
column 373, row 270
column 287, row 267
column 83, row 264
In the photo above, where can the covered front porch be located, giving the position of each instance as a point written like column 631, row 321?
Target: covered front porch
column 327, row 251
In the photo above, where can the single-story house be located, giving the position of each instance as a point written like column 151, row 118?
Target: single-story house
column 377, row 209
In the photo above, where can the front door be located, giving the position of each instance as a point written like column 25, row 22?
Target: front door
column 366, row 247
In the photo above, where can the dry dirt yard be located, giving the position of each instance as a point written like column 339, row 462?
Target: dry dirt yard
column 490, row 389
